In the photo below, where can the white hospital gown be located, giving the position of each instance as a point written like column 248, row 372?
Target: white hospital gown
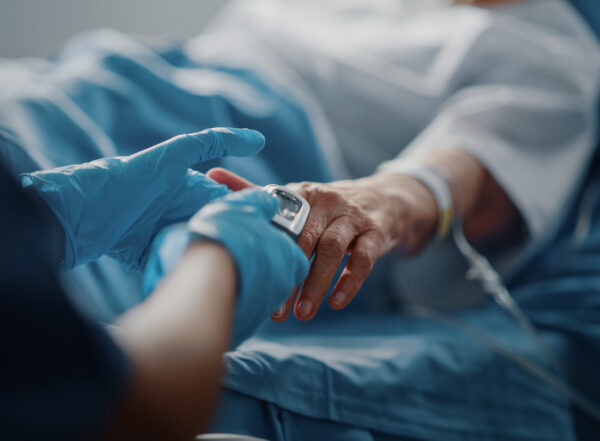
column 515, row 85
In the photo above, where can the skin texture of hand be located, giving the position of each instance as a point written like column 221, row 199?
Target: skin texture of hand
column 367, row 217
column 364, row 218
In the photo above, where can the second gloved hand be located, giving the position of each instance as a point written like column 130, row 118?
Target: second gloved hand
column 115, row 206
column 269, row 263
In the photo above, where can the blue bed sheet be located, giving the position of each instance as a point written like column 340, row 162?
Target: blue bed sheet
column 404, row 376
column 352, row 376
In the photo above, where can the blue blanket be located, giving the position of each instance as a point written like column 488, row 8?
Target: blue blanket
column 354, row 375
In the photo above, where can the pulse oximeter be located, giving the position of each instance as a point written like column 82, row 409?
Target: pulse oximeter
column 293, row 210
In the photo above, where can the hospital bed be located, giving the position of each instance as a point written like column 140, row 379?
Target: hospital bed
column 353, row 376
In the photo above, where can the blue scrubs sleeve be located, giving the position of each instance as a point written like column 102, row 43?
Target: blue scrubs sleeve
column 60, row 374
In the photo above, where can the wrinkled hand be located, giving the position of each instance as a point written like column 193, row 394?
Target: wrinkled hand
column 365, row 218
column 116, row 205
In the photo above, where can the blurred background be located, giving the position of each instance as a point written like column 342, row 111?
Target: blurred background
column 40, row 27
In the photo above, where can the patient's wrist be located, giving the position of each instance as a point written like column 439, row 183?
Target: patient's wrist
column 412, row 209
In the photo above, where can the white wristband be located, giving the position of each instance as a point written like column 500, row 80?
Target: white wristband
column 435, row 183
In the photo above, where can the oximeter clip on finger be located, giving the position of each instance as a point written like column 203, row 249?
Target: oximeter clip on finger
column 293, row 210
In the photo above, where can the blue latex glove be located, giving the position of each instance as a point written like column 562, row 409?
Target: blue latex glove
column 116, row 205
column 269, row 263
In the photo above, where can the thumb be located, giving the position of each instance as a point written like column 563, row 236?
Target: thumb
column 184, row 151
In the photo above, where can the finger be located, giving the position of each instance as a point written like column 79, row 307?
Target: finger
column 359, row 266
column 233, row 181
column 190, row 149
column 226, row 142
column 315, row 225
column 284, row 311
column 331, row 250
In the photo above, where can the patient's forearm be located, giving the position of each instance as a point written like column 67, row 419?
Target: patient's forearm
column 176, row 340
column 484, row 206
column 478, row 199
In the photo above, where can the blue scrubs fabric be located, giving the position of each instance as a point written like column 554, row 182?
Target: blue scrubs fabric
column 107, row 94
column 60, row 375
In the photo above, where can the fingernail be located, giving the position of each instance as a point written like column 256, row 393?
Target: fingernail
column 339, row 298
column 280, row 311
column 305, row 307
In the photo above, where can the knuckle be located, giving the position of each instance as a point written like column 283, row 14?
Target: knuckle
column 333, row 244
column 364, row 258
column 376, row 234
column 302, row 188
column 358, row 215
column 325, row 195
column 305, row 186
column 308, row 239
column 364, row 224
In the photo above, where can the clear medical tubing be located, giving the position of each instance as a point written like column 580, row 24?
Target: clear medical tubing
column 481, row 270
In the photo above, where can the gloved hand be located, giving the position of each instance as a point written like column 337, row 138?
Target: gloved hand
column 269, row 263
column 116, row 205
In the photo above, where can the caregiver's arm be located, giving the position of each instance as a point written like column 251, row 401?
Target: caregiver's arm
column 175, row 340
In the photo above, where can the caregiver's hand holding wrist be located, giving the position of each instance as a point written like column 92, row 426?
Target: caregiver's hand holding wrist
column 268, row 263
column 230, row 271
column 115, row 206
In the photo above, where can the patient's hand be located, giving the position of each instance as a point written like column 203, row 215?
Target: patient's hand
column 365, row 218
